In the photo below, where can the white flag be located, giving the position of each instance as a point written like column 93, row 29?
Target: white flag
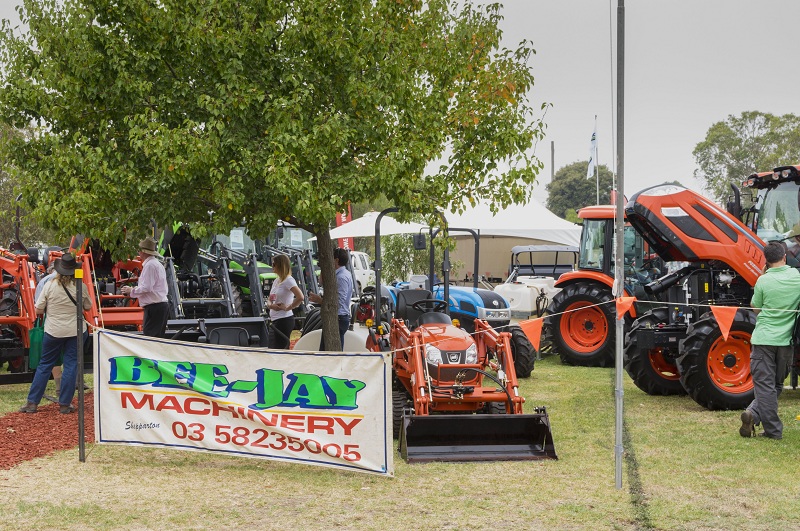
column 592, row 152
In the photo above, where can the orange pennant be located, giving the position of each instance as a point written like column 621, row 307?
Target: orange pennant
column 533, row 329
column 623, row 305
column 724, row 316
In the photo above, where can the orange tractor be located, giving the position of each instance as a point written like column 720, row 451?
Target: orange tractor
column 455, row 395
column 17, row 314
column 723, row 257
column 581, row 316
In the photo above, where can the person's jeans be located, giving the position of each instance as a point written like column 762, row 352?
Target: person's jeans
column 769, row 366
column 51, row 348
column 155, row 319
column 344, row 324
column 280, row 331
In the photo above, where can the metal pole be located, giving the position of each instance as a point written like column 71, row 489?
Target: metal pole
column 79, row 379
column 552, row 160
column 619, row 232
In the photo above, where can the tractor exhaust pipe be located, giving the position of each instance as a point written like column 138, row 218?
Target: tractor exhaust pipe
column 667, row 281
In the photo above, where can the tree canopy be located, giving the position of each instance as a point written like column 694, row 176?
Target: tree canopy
column 742, row 145
column 571, row 190
column 259, row 110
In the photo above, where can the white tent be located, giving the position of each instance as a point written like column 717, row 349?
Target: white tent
column 529, row 224
column 530, row 221
column 365, row 227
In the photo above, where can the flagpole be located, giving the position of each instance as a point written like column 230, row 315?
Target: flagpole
column 596, row 164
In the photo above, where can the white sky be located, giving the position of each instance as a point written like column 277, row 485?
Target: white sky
column 689, row 64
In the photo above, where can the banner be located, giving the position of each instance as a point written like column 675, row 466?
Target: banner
column 318, row 408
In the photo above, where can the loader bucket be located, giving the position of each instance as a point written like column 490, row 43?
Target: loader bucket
column 476, row 438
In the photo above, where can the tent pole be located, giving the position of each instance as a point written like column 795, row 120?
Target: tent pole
column 619, row 228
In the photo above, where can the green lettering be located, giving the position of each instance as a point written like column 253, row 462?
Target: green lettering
column 269, row 388
column 343, row 391
column 305, row 390
column 171, row 371
column 133, row 370
column 207, row 377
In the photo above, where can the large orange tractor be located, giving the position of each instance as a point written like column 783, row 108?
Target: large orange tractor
column 580, row 322
column 681, row 342
column 17, row 314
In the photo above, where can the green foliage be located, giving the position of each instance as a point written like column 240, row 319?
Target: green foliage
column 743, row 145
column 31, row 233
column 571, row 190
column 260, row 110
column 400, row 260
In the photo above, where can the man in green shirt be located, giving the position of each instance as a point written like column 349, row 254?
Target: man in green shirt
column 775, row 297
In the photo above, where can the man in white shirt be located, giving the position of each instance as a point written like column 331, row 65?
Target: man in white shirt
column 151, row 290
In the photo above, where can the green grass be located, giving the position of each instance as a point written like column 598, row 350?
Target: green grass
column 686, row 468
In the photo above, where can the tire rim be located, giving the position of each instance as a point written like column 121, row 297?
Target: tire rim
column 728, row 363
column 666, row 369
column 584, row 328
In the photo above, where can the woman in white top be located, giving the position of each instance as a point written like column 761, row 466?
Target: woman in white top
column 284, row 297
column 59, row 303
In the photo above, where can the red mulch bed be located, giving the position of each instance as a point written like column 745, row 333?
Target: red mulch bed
column 26, row 436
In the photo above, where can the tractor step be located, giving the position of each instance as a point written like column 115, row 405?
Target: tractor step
column 476, row 437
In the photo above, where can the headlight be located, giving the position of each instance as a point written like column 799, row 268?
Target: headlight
column 500, row 314
column 472, row 354
column 433, row 355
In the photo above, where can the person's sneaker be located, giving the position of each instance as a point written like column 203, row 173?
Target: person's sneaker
column 748, row 428
column 66, row 409
column 30, row 407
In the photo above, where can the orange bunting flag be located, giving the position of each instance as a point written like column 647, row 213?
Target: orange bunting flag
column 533, row 329
column 724, row 316
column 623, row 305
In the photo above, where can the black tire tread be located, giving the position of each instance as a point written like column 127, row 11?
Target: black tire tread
column 522, row 352
column 693, row 367
column 593, row 293
column 637, row 362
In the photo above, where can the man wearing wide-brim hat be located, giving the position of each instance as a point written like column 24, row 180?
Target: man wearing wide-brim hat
column 58, row 301
column 151, row 290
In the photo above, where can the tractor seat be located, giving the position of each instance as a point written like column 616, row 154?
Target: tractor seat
column 405, row 299
column 229, row 335
column 434, row 317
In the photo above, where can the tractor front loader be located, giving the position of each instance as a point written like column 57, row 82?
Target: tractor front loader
column 455, row 395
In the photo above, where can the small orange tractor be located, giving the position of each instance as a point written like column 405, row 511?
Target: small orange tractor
column 455, row 395
column 17, row 314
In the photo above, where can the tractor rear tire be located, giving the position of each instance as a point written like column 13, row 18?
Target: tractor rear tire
column 650, row 370
column 716, row 372
column 400, row 401
column 522, row 352
column 585, row 334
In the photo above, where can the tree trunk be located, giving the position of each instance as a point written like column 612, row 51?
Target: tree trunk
column 330, row 320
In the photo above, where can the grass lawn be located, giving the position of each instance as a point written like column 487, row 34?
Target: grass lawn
column 685, row 468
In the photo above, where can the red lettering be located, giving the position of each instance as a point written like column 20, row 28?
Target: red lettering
column 216, row 408
column 348, row 427
column 253, row 414
column 128, row 398
column 169, row 402
column 320, row 423
column 187, row 406
column 293, row 422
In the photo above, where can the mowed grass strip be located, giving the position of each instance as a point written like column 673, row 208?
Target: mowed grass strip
column 694, row 470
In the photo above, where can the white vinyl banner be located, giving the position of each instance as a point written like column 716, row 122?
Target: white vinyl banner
column 319, row 408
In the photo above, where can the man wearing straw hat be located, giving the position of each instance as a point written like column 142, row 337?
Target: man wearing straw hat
column 151, row 290
column 58, row 302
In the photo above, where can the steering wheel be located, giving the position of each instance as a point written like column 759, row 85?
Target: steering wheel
column 429, row 305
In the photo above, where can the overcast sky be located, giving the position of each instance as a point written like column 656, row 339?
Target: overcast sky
column 689, row 64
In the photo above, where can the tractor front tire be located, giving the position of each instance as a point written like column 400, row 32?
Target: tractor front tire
column 650, row 369
column 522, row 352
column 715, row 371
column 583, row 330
column 312, row 322
column 400, row 401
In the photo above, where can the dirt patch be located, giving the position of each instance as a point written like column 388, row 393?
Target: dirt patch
column 26, row 436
